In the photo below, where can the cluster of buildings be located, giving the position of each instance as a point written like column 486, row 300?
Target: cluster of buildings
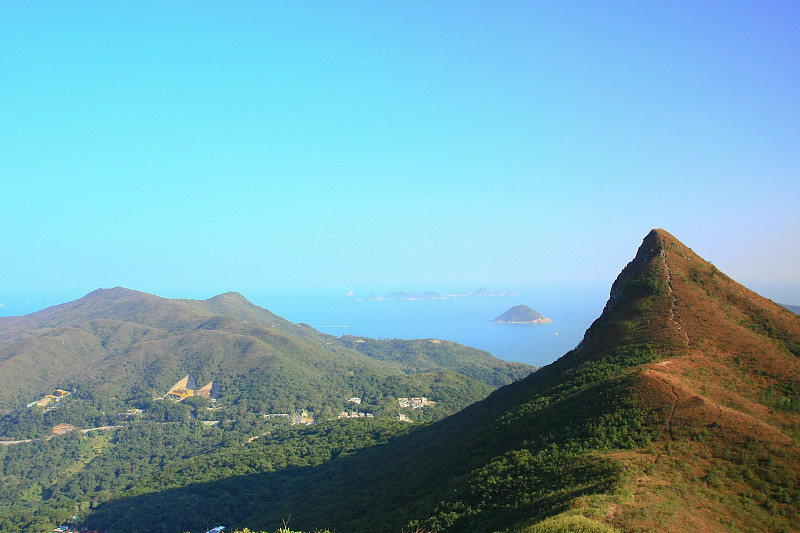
column 188, row 387
column 70, row 527
column 130, row 413
column 54, row 399
column 302, row 418
column 354, row 414
column 415, row 403
column 73, row 529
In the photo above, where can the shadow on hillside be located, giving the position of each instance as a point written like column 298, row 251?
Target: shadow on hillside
column 384, row 487
column 346, row 490
column 346, row 494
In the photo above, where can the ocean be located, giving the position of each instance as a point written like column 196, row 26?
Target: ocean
column 466, row 320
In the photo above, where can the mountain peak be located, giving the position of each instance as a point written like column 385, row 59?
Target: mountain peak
column 114, row 292
column 652, row 246
column 642, row 302
column 712, row 369
column 232, row 304
column 230, row 296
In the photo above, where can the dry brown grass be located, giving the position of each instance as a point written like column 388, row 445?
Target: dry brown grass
column 726, row 461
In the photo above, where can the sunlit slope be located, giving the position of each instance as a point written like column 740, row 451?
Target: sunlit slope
column 124, row 344
column 728, row 392
column 696, row 375
column 128, row 343
column 426, row 355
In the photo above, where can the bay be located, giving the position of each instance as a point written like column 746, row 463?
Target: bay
column 466, row 319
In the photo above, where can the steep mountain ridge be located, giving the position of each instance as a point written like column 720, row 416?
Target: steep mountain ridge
column 716, row 368
column 729, row 393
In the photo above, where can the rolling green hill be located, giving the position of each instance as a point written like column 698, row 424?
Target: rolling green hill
column 679, row 411
column 131, row 346
column 118, row 350
column 426, row 355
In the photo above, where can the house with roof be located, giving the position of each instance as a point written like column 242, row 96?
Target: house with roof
column 187, row 387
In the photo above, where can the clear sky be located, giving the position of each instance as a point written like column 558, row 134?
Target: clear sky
column 190, row 148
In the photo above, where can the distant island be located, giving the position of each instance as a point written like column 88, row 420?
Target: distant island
column 483, row 292
column 521, row 314
column 429, row 295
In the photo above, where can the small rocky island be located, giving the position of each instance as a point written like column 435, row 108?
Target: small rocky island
column 521, row 314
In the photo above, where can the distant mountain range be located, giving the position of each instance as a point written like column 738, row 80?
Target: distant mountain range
column 483, row 292
column 792, row 308
column 428, row 295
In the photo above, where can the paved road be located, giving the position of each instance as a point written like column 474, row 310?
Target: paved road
column 7, row 442
column 10, row 442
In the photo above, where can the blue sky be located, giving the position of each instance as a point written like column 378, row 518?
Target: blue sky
column 189, row 148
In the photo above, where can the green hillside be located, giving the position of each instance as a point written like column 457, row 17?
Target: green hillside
column 427, row 355
column 132, row 346
column 677, row 412
column 117, row 352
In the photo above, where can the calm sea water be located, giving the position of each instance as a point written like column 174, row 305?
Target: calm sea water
column 467, row 320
